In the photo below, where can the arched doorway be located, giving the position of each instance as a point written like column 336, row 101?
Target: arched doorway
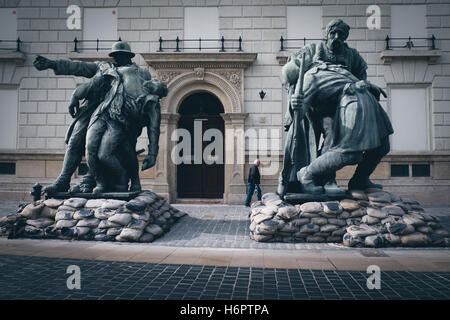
column 199, row 113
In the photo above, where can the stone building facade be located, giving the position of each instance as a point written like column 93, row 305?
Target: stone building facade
column 33, row 105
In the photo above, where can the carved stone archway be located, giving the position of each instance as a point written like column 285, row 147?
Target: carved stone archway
column 222, row 75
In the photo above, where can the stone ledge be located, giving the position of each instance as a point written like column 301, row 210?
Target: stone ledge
column 431, row 55
column 12, row 56
column 183, row 60
column 282, row 57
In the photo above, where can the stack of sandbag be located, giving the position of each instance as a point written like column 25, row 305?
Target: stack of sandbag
column 142, row 219
column 368, row 219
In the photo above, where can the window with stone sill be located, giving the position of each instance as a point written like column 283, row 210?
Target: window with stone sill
column 8, row 28
column 98, row 23
column 408, row 21
column 8, row 118
column 303, row 22
column 195, row 20
column 409, row 114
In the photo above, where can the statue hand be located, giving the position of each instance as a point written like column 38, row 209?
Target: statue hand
column 377, row 91
column 74, row 107
column 296, row 101
column 149, row 162
column 42, row 63
column 362, row 85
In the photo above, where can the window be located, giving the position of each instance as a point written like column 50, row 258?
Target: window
column 304, row 22
column 399, row 170
column 410, row 170
column 99, row 23
column 408, row 21
column 8, row 27
column 195, row 20
column 409, row 118
column 8, row 118
column 420, row 170
column 7, row 168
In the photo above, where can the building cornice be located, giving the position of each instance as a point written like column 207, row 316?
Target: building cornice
column 183, row 60
column 282, row 57
column 13, row 56
column 431, row 55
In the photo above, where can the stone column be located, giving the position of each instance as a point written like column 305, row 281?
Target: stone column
column 235, row 188
column 165, row 175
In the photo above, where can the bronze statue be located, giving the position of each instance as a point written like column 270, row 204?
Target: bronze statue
column 119, row 100
column 337, row 101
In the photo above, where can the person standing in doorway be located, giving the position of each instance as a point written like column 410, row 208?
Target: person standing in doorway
column 253, row 182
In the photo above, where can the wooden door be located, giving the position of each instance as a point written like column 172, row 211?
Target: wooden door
column 200, row 180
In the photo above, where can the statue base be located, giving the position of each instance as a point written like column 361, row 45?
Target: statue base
column 370, row 218
column 106, row 195
column 300, row 198
column 126, row 216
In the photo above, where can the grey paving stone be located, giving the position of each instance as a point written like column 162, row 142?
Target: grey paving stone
column 25, row 277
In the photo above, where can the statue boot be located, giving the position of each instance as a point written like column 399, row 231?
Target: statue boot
column 368, row 164
column 281, row 190
column 99, row 188
column 86, row 185
column 325, row 165
column 122, row 183
column 331, row 187
column 305, row 177
column 61, row 184
column 71, row 161
column 135, row 184
column 121, row 188
column 362, row 183
column 100, row 185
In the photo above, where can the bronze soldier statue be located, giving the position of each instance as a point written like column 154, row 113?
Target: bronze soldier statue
column 340, row 103
column 111, row 96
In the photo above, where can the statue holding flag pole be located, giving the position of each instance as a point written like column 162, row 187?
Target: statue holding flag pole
column 330, row 97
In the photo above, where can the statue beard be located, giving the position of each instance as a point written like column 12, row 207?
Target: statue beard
column 335, row 45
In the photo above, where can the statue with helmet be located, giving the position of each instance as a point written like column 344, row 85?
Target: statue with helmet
column 117, row 102
column 330, row 97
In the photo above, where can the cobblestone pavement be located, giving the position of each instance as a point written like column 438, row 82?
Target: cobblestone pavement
column 226, row 226
column 45, row 278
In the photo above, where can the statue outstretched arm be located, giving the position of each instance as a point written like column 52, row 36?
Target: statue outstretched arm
column 67, row 67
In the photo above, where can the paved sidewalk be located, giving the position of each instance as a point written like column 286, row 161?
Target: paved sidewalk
column 46, row 278
column 411, row 259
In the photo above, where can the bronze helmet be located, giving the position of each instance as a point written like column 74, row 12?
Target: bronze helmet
column 121, row 46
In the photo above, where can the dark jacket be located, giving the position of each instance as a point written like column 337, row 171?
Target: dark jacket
column 253, row 176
